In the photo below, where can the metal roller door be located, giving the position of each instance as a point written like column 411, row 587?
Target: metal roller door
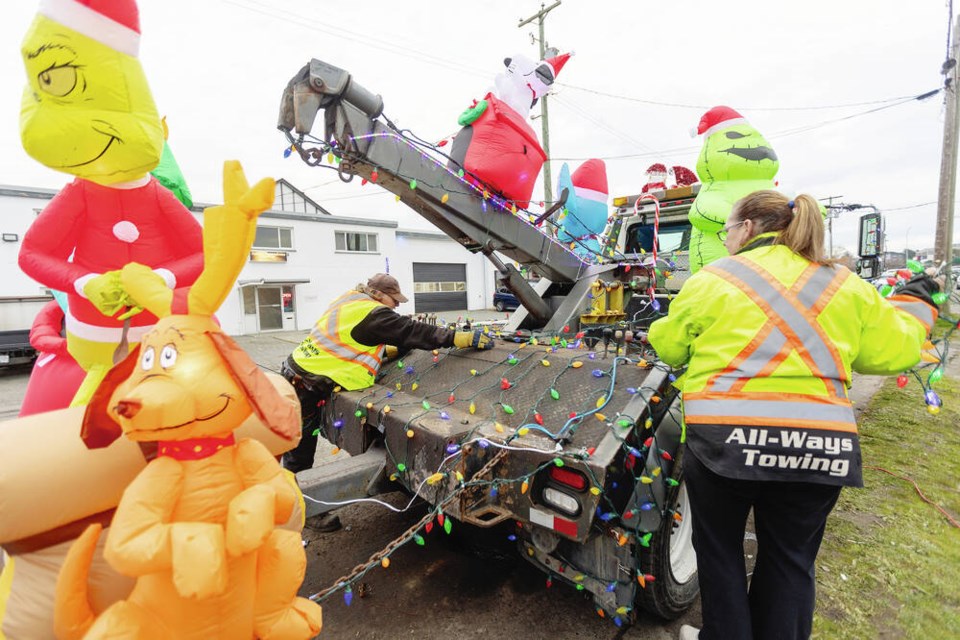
column 439, row 286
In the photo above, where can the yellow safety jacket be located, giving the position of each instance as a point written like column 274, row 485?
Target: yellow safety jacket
column 330, row 350
column 770, row 340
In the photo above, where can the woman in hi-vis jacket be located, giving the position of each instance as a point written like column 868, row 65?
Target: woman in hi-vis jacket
column 769, row 337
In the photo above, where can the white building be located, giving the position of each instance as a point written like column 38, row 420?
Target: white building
column 302, row 258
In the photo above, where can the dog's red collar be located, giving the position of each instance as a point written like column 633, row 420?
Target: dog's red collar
column 194, row 448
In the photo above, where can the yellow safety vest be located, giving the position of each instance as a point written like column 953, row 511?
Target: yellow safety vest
column 771, row 339
column 329, row 349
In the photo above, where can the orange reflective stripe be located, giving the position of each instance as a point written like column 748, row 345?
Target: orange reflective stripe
column 915, row 308
column 758, row 408
column 755, row 343
column 799, row 423
column 799, row 345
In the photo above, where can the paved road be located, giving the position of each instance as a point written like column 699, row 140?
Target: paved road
column 440, row 590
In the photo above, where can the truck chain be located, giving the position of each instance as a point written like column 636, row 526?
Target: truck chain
column 404, row 537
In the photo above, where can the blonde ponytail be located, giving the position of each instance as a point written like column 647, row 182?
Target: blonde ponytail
column 798, row 222
column 804, row 234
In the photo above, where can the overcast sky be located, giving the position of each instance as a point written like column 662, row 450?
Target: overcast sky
column 642, row 75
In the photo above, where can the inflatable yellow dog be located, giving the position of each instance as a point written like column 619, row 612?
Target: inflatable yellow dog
column 198, row 526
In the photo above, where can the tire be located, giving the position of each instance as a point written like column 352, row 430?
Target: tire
column 671, row 559
column 499, row 306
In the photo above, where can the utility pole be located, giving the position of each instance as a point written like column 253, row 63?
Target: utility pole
column 831, row 214
column 906, row 247
column 544, row 123
column 943, row 251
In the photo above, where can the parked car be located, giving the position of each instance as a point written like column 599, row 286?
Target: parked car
column 504, row 300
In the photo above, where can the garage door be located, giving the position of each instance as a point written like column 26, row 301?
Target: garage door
column 439, row 286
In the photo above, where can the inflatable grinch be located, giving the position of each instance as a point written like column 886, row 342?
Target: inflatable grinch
column 199, row 526
column 497, row 148
column 735, row 161
column 87, row 111
column 584, row 217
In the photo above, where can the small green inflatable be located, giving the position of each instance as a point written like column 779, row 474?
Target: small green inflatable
column 735, row 161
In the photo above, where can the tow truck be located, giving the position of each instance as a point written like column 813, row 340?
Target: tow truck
column 568, row 432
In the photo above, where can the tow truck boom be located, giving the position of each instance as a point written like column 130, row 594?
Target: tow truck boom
column 479, row 221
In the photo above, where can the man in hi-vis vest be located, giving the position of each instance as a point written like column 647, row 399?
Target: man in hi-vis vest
column 345, row 348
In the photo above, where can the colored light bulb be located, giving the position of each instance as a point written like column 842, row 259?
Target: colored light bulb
column 538, row 419
column 902, row 381
column 554, row 394
column 507, row 409
column 452, row 448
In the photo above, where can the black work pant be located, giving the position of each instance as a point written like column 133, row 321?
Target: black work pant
column 314, row 392
column 790, row 518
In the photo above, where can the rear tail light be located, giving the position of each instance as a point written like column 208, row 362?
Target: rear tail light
column 569, row 478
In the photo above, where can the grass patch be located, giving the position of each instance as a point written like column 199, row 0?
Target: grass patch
column 890, row 563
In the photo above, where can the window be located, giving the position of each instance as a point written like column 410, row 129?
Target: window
column 357, row 242
column 437, row 287
column 273, row 238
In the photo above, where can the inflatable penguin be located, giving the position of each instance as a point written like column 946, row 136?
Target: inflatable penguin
column 585, row 215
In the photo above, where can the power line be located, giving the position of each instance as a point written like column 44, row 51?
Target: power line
column 911, row 206
column 362, row 38
column 679, row 105
column 774, row 136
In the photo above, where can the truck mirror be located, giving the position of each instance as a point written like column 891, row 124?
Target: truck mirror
column 871, row 235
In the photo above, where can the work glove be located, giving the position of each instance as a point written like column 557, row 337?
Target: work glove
column 476, row 339
column 921, row 286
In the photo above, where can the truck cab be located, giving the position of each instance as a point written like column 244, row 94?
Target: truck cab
column 635, row 223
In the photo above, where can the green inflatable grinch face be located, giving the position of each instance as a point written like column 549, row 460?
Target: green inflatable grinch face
column 737, row 152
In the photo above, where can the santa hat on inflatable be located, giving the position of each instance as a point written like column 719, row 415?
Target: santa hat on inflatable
column 590, row 181
column 115, row 23
column 556, row 63
column 718, row 118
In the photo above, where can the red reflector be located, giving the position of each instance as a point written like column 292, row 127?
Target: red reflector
column 566, row 527
column 572, row 479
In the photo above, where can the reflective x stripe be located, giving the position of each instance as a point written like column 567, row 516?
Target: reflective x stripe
column 806, row 339
column 326, row 336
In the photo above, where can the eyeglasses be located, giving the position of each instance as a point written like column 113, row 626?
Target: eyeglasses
column 722, row 234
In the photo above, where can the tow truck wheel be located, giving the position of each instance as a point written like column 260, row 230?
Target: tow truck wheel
column 671, row 560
